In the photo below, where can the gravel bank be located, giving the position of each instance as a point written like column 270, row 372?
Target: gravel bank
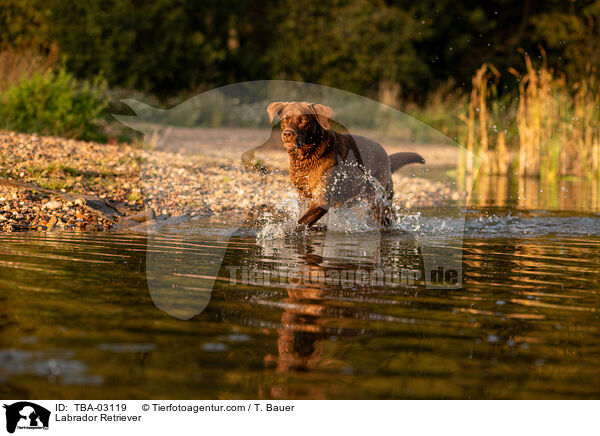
column 49, row 183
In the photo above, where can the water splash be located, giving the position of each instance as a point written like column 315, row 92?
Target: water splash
column 284, row 223
column 352, row 217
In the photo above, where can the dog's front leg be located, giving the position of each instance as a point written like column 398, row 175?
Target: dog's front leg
column 312, row 215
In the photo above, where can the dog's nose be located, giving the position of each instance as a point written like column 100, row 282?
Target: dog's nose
column 288, row 135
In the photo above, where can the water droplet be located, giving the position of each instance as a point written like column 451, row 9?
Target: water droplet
column 492, row 339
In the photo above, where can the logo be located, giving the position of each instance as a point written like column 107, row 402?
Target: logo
column 26, row 415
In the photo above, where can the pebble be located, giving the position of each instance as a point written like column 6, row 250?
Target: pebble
column 52, row 204
column 27, row 212
column 52, row 221
column 173, row 184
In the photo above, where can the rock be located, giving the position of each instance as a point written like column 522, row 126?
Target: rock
column 52, row 222
column 171, row 184
column 146, row 215
column 52, row 205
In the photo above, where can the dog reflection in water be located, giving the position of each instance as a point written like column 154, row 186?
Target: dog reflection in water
column 300, row 337
column 306, row 329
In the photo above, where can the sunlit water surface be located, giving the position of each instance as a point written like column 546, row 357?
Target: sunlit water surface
column 78, row 320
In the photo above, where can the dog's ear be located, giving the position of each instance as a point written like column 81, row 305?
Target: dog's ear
column 323, row 113
column 275, row 109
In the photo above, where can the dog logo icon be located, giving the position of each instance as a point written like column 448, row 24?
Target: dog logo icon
column 26, row 415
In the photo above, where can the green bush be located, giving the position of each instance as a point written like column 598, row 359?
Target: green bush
column 54, row 103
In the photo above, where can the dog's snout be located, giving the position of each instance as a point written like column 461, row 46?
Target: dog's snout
column 288, row 135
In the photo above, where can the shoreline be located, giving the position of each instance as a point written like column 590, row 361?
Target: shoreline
column 50, row 183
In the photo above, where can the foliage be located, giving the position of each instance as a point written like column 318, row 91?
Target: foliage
column 333, row 39
column 387, row 49
column 26, row 24
column 556, row 124
column 417, row 56
column 570, row 31
column 54, row 103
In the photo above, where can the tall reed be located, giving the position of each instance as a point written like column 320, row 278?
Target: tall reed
column 482, row 138
column 558, row 125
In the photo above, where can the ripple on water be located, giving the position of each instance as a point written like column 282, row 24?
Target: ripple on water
column 75, row 310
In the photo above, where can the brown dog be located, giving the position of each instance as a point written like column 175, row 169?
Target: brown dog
column 328, row 168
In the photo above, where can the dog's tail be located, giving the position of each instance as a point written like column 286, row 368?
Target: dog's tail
column 398, row 160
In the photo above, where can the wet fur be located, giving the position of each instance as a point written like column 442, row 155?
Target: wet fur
column 315, row 150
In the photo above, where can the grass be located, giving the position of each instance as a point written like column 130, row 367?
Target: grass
column 134, row 196
column 558, row 125
column 551, row 127
column 53, row 168
column 62, row 168
column 16, row 65
column 482, row 137
column 59, row 176
column 54, row 184
column 69, row 171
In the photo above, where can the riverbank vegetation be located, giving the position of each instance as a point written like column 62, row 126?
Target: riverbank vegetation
column 552, row 126
column 514, row 83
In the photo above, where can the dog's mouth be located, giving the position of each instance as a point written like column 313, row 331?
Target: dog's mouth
column 293, row 143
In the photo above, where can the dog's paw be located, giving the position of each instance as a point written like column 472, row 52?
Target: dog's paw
column 301, row 228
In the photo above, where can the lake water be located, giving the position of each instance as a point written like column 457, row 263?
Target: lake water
column 79, row 314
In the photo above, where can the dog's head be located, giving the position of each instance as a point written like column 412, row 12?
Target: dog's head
column 301, row 123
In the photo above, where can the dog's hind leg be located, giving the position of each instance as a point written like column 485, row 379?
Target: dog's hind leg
column 382, row 207
column 383, row 212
